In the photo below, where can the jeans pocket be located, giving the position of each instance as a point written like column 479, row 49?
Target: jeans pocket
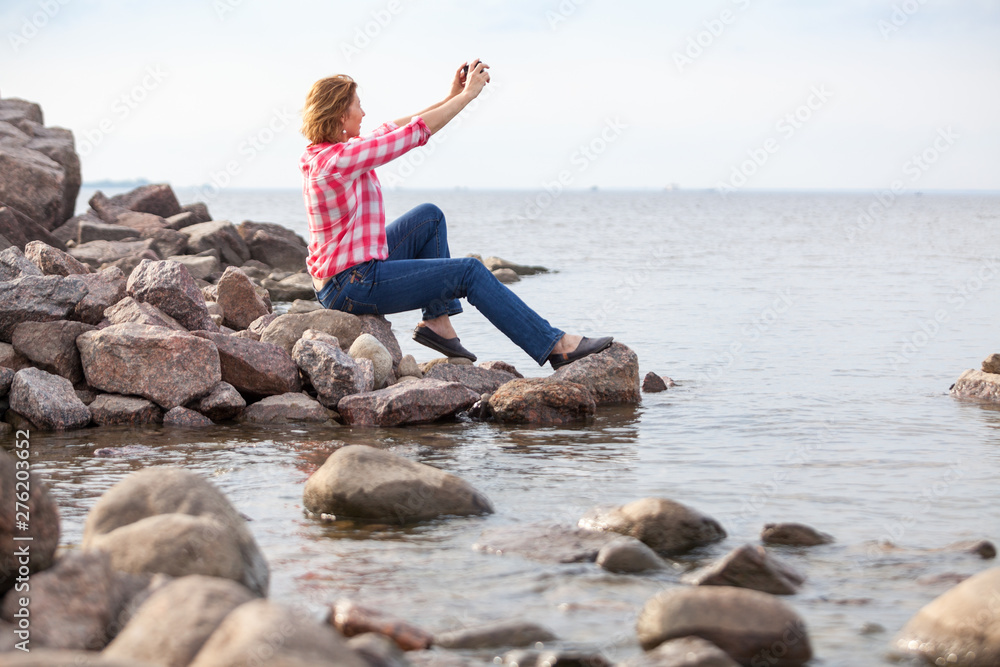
column 358, row 307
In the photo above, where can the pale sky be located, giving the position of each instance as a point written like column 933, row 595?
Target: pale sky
column 755, row 94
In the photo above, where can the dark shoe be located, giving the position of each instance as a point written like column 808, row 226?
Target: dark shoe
column 587, row 347
column 450, row 347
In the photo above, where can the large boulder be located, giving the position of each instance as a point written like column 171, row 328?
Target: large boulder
column 168, row 286
column 478, row 379
column 288, row 637
column 666, row 526
column 287, row 408
column 165, row 366
column 115, row 409
column 751, row 567
column 332, row 372
column 960, row 627
column 752, row 627
column 98, row 253
column 33, row 183
column 43, row 527
column 51, row 346
column 612, row 376
column 219, row 235
column 239, row 299
column 540, row 401
column 129, row 310
column 38, row 299
column 416, row 402
column 361, row 482
column 979, row 385
column 274, row 245
column 104, row 289
column 174, row 521
column 285, row 330
column 254, row 368
column 47, row 400
column 173, row 624
column 156, row 199
column 19, row 230
column 53, row 261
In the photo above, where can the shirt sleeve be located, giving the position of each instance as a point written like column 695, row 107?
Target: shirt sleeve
column 363, row 155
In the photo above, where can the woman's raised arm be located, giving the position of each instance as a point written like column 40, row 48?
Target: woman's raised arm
column 462, row 93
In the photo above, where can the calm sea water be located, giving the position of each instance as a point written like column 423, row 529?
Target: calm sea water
column 813, row 351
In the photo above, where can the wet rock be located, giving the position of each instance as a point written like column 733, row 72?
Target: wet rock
column 653, row 383
column 960, row 627
column 544, row 542
column 992, row 364
column 506, row 276
column 239, row 299
column 683, row 652
column 253, row 367
column 174, row 623
column 612, row 376
column 75, row 604
column 793, row 534
column 104, row 289
column 977, row 384
column 750, row 626
column 494, row 263
column 366, row 346
column 251, row 628
column 168, row 286
column 47, row 400
column 157, row 199
column 408, row 367
column 277, row 250
column 185, row 418
column 505, row 634
column 129, row 310
column 98, row 253
column 168, row 367
column 51, row 346
column 751, row 567
column 199, row 266
column 284, row 409
column 378, row 650
column 982, row 548
column 290, row 288
column 221, row 236
column 222, row 403
column 500, row 366
column 43, row 527
column 96, row 230
column 541, row 401
column 9, row 358
column 38, row 299
column 627, row 555
column 565, row 657
column 381, row 328
column 332, row 372
column 14, row 264
column 173, row 521
column 285, row 330
column 362, row 482
column 352, row 620
column 478, row 379
column 52, row 261
column 416, row 402
column 666, row 526
column 115, row 409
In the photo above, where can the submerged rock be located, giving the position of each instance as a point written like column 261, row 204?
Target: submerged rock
column 415, row 402
column 960, row 627
column 544, row 542
column 653, row 383
column 666, row 526
column 751, row 567
column 793, row 534
column 285, row 408
column 541, row 401
column 179, row 416
column 352, row 620
column 683, row 652
column 977, row 384
column 362, row 482
column 750, row 626
column 112, row 409
column 627, row 555
column 504, row 634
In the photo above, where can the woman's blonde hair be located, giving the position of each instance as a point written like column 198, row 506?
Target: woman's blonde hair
column 326, row 104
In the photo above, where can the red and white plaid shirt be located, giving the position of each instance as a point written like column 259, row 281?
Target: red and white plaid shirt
column 344, row 198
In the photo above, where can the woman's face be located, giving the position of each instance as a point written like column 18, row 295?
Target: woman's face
column 352, row 120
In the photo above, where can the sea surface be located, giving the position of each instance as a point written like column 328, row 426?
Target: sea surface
column 813, row 339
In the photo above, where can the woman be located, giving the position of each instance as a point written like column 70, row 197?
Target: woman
column 361, row 266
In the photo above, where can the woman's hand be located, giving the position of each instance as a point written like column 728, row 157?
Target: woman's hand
column 477, row 79
column 458, row 83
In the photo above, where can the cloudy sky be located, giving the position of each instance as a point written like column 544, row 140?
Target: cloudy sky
column 754, row 94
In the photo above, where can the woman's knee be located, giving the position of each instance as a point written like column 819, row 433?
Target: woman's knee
column 429, row 210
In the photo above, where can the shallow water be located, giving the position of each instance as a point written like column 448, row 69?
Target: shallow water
column 813, row 357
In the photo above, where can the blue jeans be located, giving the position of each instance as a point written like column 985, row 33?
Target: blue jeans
column 419, row 273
